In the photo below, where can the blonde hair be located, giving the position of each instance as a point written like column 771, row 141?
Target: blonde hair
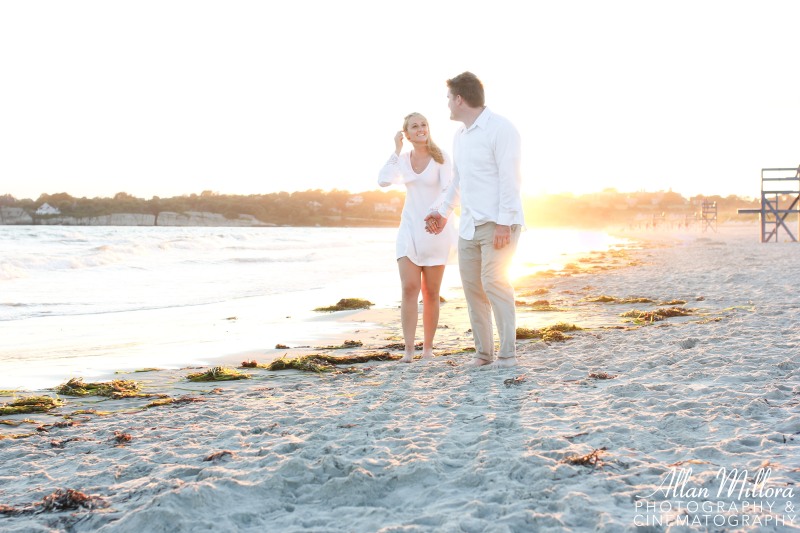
column 435, row 151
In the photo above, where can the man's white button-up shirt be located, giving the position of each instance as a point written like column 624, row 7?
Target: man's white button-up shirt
column 486, row 173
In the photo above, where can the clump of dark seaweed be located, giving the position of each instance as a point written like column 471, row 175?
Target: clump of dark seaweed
column 116, row 389
column 400, row 346
column 70, row 500
column 60, row 500
column 218, row 373
column 17, row 436
column 122, row 438
column 590, row 459
column 541, row 305
column 351, row 370
column 280, row 346
column 601, row 375
column 174, row 401
column 554, row 333
column 217, row 456
column 659, row 314
column 457, row 351
column 519, row 380
column 345, row 344
column 534, row 292
column 88, row 412
column 325, row 362
column 613, row 299
column 31, row 404
column 347, row 304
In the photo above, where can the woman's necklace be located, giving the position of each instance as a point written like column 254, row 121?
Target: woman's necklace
column 419, row 168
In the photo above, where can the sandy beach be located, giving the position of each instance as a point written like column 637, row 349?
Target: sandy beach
column 640, row 423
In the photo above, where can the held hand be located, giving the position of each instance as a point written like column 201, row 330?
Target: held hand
column 435, row 223
column 398, row 142
column 502, row 236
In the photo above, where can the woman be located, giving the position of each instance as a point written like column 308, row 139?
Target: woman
column 421, row 256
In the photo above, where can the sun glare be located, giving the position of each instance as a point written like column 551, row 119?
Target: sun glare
column 547, row 249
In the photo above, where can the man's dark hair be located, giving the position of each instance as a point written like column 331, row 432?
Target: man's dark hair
column 469, row 87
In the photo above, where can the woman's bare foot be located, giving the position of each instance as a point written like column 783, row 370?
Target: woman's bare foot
column 407, row 358
column 427, row 356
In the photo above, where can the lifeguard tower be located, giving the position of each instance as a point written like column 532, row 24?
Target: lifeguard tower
column 780, row 197
column 708, row 215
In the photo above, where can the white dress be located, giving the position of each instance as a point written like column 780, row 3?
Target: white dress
column 423, row 194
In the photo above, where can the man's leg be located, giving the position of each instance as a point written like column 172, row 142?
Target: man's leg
column 480, row 311
column 498, row 288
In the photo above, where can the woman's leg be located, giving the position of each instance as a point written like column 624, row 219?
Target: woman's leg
column 431, row 283
column 410, row 275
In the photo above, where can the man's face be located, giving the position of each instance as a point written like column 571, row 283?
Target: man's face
column 452, row 104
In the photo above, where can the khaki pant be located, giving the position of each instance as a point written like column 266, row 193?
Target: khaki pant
column 488, row 290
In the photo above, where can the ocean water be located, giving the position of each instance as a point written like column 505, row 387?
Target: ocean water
column 86, row 301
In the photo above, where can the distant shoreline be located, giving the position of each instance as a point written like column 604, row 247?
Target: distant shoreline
column 12, row 216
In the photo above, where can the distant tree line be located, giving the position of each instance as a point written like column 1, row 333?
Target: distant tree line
column 306, row 208
column 381, row 208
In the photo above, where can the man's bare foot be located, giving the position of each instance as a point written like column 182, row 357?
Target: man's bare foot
column 505, row 362
column 407, row 358
column 480, row 362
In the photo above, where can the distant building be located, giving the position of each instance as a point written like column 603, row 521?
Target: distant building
column 385, row 208
column 47, row 209
column 354, row 201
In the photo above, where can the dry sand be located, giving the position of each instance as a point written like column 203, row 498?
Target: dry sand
column 666, row 416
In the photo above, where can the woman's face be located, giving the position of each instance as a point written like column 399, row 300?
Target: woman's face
column 417, row 129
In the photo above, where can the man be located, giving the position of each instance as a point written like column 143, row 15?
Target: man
column 486, row 175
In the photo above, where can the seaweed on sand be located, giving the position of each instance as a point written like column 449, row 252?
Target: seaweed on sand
column 218, row 373
column 345, row 344
column 590, row 459
column 172, row 401
column 60, row 500
column 70, row 500
column 534, row 292
column 659, row 314
column 116, row 389
column 325, row 362
column 17, row 436
column 554, row 333
column 347, row 304
column 603, row 298
column 31, row 404
column 601, row 375
column 122, row 438
column 400, row 346
column 538, row 305
column 457, row 351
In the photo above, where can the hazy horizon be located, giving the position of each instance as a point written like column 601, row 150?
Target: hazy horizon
column 612, row 190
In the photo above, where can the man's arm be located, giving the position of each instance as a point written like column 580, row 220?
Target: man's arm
column 508, row 156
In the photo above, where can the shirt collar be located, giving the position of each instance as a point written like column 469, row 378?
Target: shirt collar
column 482, row 119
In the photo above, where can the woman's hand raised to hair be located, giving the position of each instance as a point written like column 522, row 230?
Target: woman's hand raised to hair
column 398, row 142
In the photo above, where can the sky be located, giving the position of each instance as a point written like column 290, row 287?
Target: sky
column 166, row 98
